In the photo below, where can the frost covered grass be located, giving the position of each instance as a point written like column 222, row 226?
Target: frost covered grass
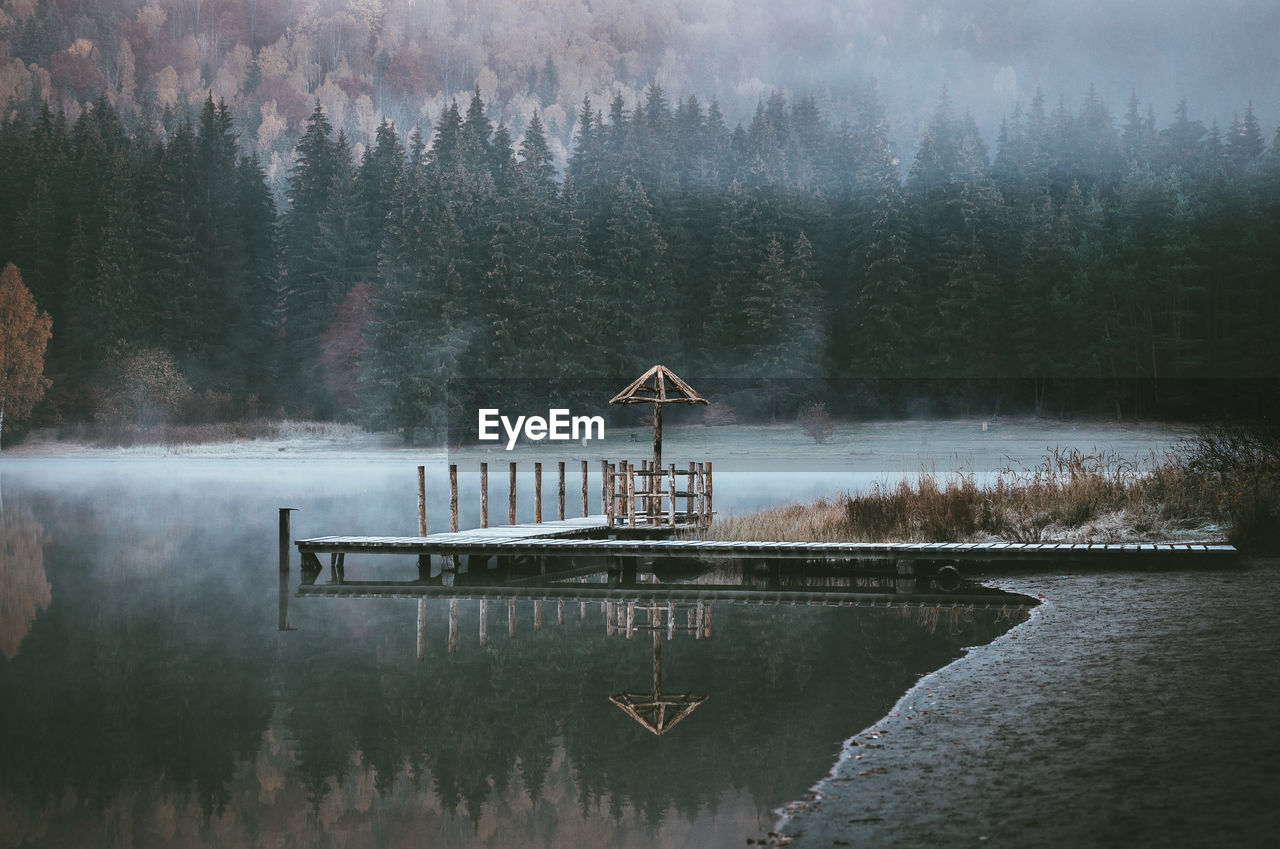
column 208, row 434
column 1215, row 483
column 129, row 436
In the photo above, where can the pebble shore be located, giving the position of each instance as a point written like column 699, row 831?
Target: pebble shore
column 1133, row 709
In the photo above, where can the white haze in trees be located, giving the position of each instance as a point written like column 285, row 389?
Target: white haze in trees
column 1221, row 55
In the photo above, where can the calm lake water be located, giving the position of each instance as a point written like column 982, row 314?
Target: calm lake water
column 147, row 697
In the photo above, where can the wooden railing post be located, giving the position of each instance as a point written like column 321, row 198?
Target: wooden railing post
column 584, row 488
column 696, row 485
column 606, row 490
column 422, row 501
column 484, row 495
column 453, row 498
column 689, row 499
column 631, row 496
column 619, row 475
column 671, row 496
column 537, row 493
column 560, row 494
column 710, row 506
column 511, row 497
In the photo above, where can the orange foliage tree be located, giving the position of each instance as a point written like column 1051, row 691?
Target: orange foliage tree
column 24, row 335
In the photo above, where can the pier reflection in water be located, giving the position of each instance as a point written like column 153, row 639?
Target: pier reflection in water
column 153, row 700
column 793, row 641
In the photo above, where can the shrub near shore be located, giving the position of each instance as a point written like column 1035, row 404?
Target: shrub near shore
column 1225, row 480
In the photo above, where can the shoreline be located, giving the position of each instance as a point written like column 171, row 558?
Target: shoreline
column 869, row 452
column 1132, row 709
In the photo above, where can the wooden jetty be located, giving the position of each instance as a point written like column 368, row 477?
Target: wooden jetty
column 650, row 515
column 585, row 538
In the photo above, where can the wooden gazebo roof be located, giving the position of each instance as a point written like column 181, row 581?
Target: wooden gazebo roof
column 657, row 712
column 658, row 385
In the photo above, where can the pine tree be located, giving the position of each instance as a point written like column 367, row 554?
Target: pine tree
column 256, row 319
column 739, row 244
column 585, row 160
column 502, row 159
column 1245, row 144
column 346, row 259
column 419, row 331
column 536, row 160
column 632, row 265
column 381, row 169
column 306, row 306
column 881, row 311
column 474, row 142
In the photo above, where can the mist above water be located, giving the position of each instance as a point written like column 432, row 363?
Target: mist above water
column 151, row 680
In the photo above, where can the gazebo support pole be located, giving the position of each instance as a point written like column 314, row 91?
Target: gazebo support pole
column 657, row 436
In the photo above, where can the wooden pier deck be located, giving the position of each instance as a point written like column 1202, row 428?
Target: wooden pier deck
column 437, row 543
column 584, row 537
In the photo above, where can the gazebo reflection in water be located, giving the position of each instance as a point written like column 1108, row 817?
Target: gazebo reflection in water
column 663, row 599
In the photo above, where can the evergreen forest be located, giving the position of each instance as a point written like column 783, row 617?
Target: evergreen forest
column 1085, row 263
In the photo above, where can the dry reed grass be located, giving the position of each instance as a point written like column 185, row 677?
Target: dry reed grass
column 1069, row 496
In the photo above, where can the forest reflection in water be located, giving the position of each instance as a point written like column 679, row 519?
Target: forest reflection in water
column 153, row 700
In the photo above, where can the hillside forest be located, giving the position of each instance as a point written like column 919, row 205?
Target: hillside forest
column 1085, row 261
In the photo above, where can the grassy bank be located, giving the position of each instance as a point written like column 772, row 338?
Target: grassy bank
column 130, row 436
column 1221, row 482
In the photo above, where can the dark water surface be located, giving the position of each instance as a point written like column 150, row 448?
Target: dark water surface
column 148, row 699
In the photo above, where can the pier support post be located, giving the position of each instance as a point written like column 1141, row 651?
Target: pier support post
column 484, row 495
column 906, row 581
column 284, row 539
column 584, row 488
column 537, row 493
column 285, row 542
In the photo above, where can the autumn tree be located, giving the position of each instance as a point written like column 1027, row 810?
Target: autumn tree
column 24, row 334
